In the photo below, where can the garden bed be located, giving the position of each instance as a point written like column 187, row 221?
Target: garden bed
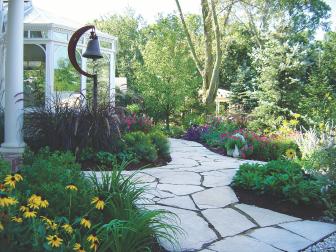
column 133, row 166
column 278, row 204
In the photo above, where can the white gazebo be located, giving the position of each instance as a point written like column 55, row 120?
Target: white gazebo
column 34, row 63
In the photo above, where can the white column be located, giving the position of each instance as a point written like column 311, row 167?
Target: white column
column 2, row 71
column 49, row 88
column 112, row 77
column 14, row 79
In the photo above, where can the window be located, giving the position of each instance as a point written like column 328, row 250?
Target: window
column 36, row 34
column 66, row 78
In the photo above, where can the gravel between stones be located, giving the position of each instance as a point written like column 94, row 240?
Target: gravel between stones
column 327, row 245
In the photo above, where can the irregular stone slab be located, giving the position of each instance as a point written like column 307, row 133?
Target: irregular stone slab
column 280, row 238
column 179, row 189
column 180, row 178
column 180, row 202
column 184, row 161
column 143, row 178
column 265, row 217
column 225, row 164
column 312, row 230
column 241, row 243
column 215, row 197
column 196, row 230
column 227, row 221
column 218, row 178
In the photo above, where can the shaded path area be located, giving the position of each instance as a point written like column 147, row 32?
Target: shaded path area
column 195, row 186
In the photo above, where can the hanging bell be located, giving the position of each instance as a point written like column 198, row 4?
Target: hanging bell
column 93, row 48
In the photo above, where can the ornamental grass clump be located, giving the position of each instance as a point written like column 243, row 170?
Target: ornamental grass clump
column 52, row 206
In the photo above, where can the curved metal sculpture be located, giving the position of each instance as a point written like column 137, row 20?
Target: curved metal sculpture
column 72, row 49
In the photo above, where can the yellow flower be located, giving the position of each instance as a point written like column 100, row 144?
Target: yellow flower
column 71, row 187
column 18, row 177
column 1, row 227
column 29, row 214
column 10, row 181
column 6, row 201
column 54, row 241
column 99, row 202
column 290, row 153
column 50, row 224
column 296, row 116
column 44, row 204
column 67, row 228
column 24, row 208
column 78, row 247
column 17, row 219
column 36, row 201
column 85, row 222
column 92, row 238
column 94, row 245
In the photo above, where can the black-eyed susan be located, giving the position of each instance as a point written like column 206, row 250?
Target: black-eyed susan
column 54, row 241
column 94, row 245
column 36, row 201
column 71, row 187
column 17, row 219
column 24, row 208
column 30, row 214
column 6, row 201
column 18, row 177
column 85, row 222
column 10, row 181
column 290, row 153
column 49, row 223
column 92, row 238
column 98, row 202
column 67, row 228
column 78, row 247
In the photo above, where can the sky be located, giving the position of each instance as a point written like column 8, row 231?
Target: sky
column 84, row 11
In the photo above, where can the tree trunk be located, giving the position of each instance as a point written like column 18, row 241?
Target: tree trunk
column 167, row 117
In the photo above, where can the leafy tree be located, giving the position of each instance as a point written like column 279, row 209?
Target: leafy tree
column 168, row 77
column 127, row 28
column 282, row 73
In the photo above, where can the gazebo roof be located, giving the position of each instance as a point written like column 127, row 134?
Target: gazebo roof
column 38, row 18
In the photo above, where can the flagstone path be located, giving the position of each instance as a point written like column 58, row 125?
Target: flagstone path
column 195, row 187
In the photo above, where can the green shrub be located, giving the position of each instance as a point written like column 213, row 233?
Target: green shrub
column 117, row 222
column 106, row 158
column 322, row 161
column 161, row 143
column 282, row 178
column 141, row 144
column 49, row 173
column 174, row 131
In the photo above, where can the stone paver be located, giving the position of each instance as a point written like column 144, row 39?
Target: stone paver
column 312, row 230
column 215, row 197
column 179, row 189
column 195, row 187
column 265, row 217
column 179, row 201
column 280, row 238
column 228, row 222
column 242, row 243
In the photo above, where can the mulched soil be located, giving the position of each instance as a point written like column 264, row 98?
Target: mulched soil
column 279, row 205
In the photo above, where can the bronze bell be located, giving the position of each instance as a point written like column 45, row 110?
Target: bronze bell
column 93, row 48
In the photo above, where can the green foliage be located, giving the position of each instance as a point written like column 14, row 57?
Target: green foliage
column 127, row 29
column 322, row 161
column 174, row 131
column 106, row 158
column 140, row 144
column 48, row 173
column 119, row 225
column 167, row 80
column 284, row 179
column 161, row 143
